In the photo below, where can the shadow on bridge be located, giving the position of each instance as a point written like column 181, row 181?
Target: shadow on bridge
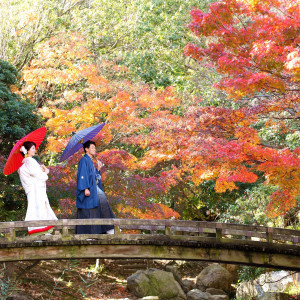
column 155, row 239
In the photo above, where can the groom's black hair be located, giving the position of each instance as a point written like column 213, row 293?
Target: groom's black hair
column 87, row 145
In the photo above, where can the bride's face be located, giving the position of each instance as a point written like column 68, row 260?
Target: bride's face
column 31, row 151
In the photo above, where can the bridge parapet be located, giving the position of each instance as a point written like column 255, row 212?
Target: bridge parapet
column 169, row 239
column 16, row 231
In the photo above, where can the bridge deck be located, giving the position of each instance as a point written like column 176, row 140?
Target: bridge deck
column 161, row 239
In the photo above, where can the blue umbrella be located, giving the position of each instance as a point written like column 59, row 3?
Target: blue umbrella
column 80, row 138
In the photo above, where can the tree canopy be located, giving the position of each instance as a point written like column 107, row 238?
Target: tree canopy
column 198, row 118
column 17, row 117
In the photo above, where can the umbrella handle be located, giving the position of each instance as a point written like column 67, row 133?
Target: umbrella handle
column 100, row 163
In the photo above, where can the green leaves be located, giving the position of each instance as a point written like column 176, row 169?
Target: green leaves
column 17, row 117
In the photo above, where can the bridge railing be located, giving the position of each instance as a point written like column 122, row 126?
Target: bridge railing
column 16, row 232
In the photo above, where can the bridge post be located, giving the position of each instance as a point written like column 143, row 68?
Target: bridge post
column 117, row 226
column 248, row 235
column 269, row 235
column 65, row 230
column 168, row 228
column 219, row 230
column 11, row 233
column 200, row 231
column 153, row 229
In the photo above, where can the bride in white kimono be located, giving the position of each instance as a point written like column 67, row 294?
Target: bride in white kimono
column 33, row 178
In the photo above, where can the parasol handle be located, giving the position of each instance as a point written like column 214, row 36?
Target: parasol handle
column 100, row 163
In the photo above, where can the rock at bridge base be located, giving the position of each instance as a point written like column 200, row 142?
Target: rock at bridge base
column 272, row 283
column 153, row 282
column 188, row 285
column 174, row 270
column 214, row 276
column 218, row 297
column 196, row 294
column 247, row 290
column 274, row 296
column 214, row 291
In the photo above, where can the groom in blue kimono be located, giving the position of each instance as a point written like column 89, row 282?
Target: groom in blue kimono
column 91, row 201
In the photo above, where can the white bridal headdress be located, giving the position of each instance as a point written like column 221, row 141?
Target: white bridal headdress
column 23, row 149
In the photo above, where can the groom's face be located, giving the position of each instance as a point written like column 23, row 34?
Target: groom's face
column 91, row 150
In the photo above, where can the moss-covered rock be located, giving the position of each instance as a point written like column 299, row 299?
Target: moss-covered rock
column 153, row 282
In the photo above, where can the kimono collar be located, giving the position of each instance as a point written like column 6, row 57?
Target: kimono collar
column 91, row 161
column 86, row 155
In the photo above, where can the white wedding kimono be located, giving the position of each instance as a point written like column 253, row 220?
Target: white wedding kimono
column 33, row 180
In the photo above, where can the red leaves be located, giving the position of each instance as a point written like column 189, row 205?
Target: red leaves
column 200, row 143
column 255, row 45
column 242, row 174
column 256, row 53
column 281, row 202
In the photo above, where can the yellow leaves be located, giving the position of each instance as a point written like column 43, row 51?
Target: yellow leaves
column 63, row 48
column 97, row 80
column 153, row 157
column 207, row 143
column 252, row 3
column 68, row 96
column 145, row 100
column 262, row 5
column 46, row 112
column 197, row 178
column 287, row 178
column 293, row 64
column 293, row 6
column 122, row 110
column 55, row 145
column 19, row 31
column 90, row 111
column 61, row 125
column 57, row 62
column 200, row 174
column 27, row 20
column 222, row 185
column 106, row 136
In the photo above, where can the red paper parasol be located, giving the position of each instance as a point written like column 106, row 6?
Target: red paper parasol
column 14, row 161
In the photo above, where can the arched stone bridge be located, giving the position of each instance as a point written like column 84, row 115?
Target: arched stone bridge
column 155, row 239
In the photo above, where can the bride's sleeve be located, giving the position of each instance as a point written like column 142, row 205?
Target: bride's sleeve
column 35, row 169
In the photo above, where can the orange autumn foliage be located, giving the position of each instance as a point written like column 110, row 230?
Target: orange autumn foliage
column 199, row 144
column 157, row 211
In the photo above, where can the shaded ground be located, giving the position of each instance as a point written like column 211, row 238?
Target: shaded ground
column 81, row 279
column 76, row 279
column 68, row 279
